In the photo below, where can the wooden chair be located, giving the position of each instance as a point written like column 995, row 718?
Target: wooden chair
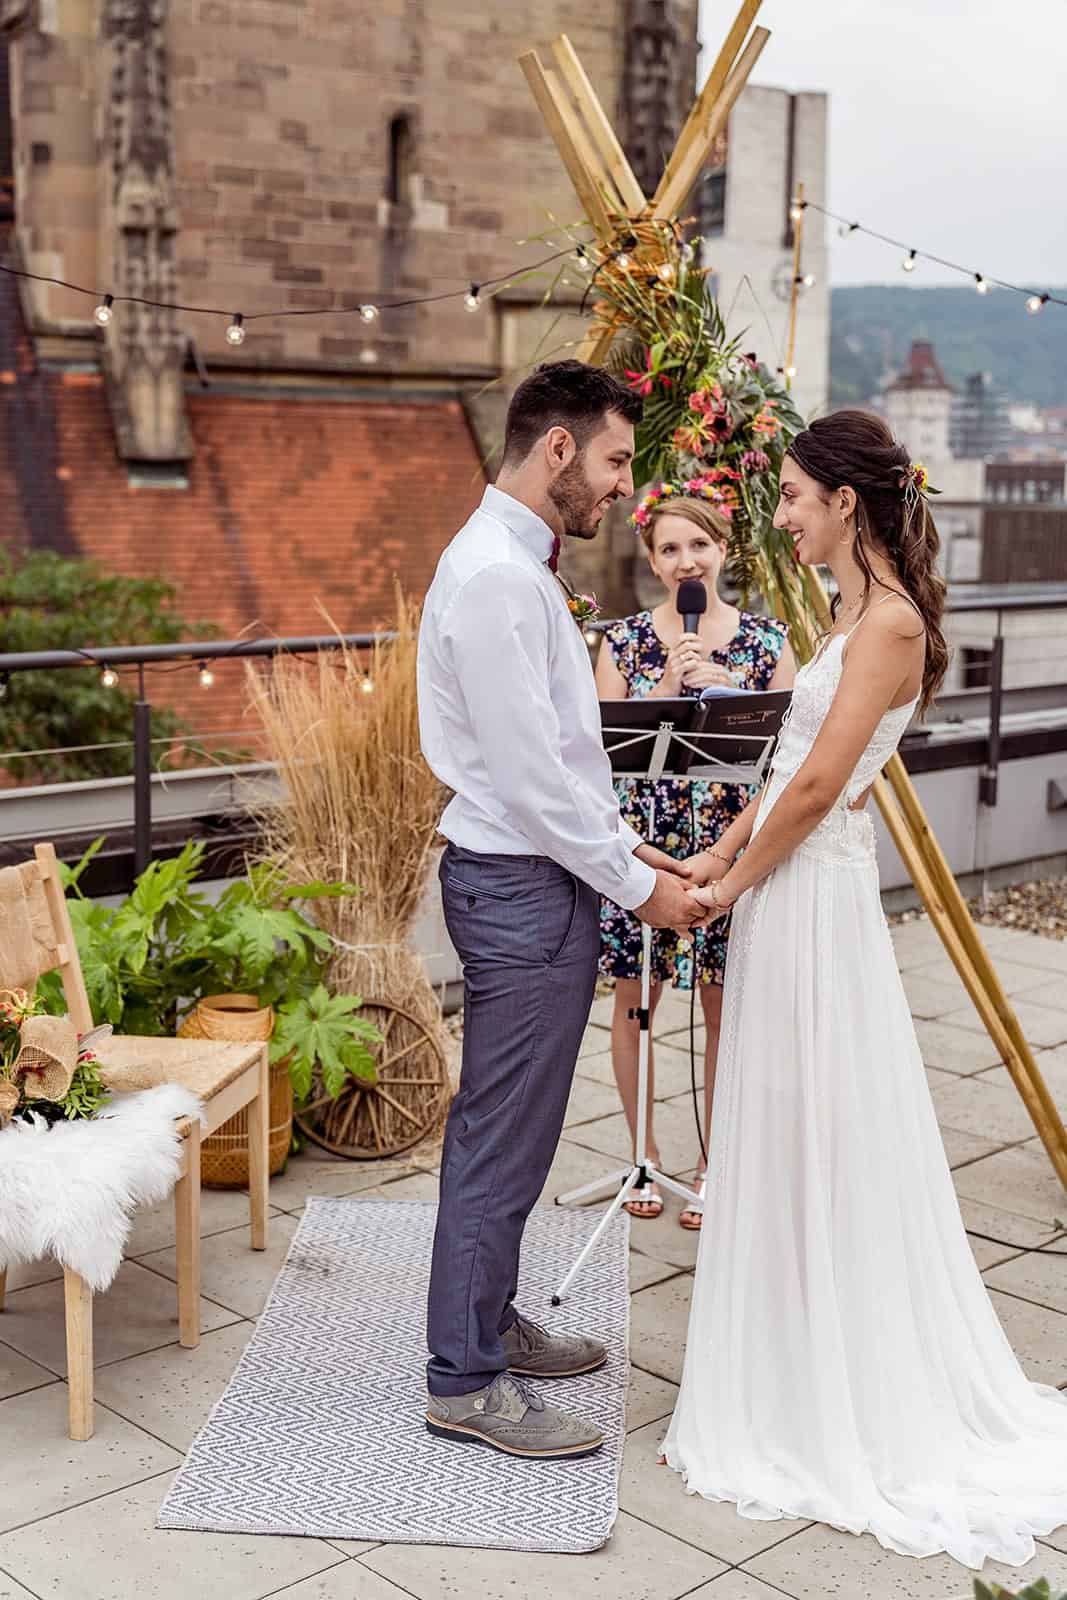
column 226, row 1076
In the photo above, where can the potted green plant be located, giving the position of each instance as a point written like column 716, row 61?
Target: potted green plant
column 248, row 964
column 1039, row 1590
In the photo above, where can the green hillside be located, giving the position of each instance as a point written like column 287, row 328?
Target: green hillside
column 872, row 327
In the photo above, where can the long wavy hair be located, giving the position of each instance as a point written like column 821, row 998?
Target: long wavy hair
column 856, row 450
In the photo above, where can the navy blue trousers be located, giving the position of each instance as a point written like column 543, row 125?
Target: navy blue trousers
column 528, row 935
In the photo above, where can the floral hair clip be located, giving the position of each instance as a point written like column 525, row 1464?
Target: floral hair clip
column 915, row 483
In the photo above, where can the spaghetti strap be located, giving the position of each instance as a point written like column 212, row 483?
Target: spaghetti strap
column 900, row 595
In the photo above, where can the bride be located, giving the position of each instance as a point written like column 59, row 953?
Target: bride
column 844, row 1362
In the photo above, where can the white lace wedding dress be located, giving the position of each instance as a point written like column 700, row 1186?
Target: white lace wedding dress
column 844, row 1362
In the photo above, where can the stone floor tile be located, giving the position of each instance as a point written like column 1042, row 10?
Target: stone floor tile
column 958, row 1050
column 822, row 1561
column 1052, row 1065
column 678, row 1039
column 963, row 1148
column 595, row 1042
column 24, row 1277
column 670, row 1067
column 170, row 1392
column 637, row 1562
column 992, row 1111
column 18, row 1373
column 933, row 997
column 10, row 1590
column 659, row 1320
column 1016, row 1232
column 1043, row 1026
column 112, row 1551
column 916, row 944
column 1042, row 988
column 648, row 1399
column 657, row 1495
column 1021, row 1179
column 645, row 1270
column 138, row 1313
column 589, row 1101
column 349, row 1581
column 1040, row 1278
column 602, row 1010
column 675, row 1131
column 1029, row 948
column 355, row 1547
column 736, row 1585
column 988, row 1255
column 574, row 1165
column 220, row 1210
column 663, row 1238
column 1057, row 1539
column 43, row 1472
column 316, row 1172
column 419, row 1186
column 1037, row 1335
column 231, row 1274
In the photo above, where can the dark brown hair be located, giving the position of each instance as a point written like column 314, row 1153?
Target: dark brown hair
column 700, row 512
column 564, row 394
column 856, row 450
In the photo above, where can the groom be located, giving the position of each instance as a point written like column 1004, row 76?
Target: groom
column 509, row 721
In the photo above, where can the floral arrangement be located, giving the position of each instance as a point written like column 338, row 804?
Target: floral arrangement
column 46, row 1068
column 583, row 607
column 717, row 421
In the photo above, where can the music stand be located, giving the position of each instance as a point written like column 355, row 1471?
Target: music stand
column 733, row 736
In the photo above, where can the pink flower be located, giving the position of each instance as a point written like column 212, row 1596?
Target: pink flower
column 755, row 461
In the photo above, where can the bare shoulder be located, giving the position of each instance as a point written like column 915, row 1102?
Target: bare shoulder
column 894, row 617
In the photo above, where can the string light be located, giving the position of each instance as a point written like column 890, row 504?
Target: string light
column 908, row 262
column 847, row 229
column 103, row 313
column 235, row 333
column 367, row 686
column 790, row 372
column 472, row 298
column 581, row 256
column 797, row 209
column 368, row 312
column 980, row 284
column 1035, row 302
column 807, row 279
column 109, row 678
column 622, row 261
column 207, row 677
column 665, row 271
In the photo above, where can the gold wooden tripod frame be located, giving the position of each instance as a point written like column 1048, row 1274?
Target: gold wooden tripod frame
column 613, row 202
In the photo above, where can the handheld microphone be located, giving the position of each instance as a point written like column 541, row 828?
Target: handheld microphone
column 692, row 603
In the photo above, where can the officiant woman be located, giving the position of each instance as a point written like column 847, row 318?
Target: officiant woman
column 650, row 655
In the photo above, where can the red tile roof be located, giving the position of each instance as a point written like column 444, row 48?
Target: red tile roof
column 922, row 369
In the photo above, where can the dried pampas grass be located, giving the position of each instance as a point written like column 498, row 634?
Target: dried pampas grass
column 361, row 806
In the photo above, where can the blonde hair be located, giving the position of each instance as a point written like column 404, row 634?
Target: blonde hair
column 699, row 512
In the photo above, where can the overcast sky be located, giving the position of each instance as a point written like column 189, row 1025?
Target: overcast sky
column 948, row 127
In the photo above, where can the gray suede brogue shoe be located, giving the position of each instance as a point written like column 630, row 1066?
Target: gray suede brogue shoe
column 510, row 1416
column 533, row 1352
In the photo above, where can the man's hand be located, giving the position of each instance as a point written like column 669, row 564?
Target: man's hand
column 671, row 905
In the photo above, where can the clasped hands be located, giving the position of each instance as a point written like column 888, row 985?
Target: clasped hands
column 684, row 897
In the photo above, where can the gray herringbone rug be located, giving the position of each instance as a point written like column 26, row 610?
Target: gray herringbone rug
column 321, row 1428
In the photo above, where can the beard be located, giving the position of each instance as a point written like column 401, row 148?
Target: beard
column 574, row 499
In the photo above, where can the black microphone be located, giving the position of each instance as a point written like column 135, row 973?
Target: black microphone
column 692, row 603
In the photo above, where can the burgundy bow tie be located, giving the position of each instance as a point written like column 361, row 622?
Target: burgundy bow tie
column 553, row 561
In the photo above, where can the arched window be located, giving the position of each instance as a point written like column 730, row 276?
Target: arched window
column 401, row 160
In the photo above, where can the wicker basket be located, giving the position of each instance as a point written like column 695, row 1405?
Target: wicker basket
column 224, row 1153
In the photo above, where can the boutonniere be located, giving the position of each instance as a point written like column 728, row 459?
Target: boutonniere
column 582, row 607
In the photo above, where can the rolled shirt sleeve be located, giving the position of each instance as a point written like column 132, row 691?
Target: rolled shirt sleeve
column 500, row 645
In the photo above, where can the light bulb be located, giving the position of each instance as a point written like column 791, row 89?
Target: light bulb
column 369, row 356
column 582, row 259
column 980, row 284
column 665, row 271
column 796, row 211
column 103, row 313
column 207, row 677
column 368, row 312
column 367, row 686
column 847, row 229
column 622, row 261
column 471, row 299
column 109, row 677
column 808, row 280
column 790, row 372
column 908, row 263
column 235, row 333
column 1034, row 304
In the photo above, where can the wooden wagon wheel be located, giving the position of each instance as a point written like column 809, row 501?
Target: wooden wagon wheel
column 371, row 1120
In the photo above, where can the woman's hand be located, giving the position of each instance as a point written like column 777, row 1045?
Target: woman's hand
column 703, row 868
column 707, row 675
column 682, row 658
column 713, row 898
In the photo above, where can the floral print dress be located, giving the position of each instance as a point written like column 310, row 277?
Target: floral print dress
column 640, row 655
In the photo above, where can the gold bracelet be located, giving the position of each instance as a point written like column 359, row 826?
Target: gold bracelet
column 718, row 856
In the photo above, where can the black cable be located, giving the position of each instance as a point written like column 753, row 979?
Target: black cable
column 1011, row 1244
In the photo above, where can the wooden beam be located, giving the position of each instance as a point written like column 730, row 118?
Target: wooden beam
column 601, row 132
column 595, row 170
column 589, row 197
column 798, row 237
column 671, row 196
column 699, row 117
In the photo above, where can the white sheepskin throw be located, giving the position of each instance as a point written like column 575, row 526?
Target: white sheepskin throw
column 68, row 1191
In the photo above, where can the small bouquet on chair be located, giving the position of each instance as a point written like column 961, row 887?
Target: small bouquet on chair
column 46, row 1068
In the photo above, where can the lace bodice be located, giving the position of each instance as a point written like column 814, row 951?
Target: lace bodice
column 813, row 693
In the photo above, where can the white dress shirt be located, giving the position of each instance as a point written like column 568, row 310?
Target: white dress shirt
column 508, row 711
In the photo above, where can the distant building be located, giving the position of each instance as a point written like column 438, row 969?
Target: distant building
column 918, row 404
column 981, row 426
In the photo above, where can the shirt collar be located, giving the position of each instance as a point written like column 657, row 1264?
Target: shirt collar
column 524, row 523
